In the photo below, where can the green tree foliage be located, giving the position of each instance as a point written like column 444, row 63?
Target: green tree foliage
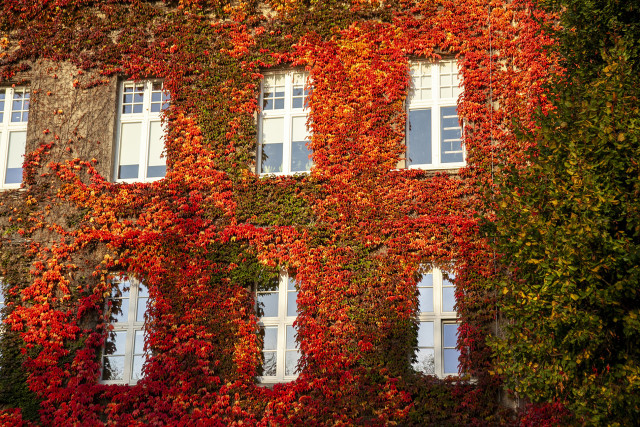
column 568, row 226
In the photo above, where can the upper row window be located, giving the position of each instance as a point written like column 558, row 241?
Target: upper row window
column 140, row 134
column 433, row 133
column 14, row 114
column 283, row 124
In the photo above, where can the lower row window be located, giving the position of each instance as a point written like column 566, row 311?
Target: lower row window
column 123, row 355
column 278, row 309
column 276, row 305
column 436, row 352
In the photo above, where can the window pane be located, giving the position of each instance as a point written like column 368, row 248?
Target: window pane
column 138, row 345
column 448, row 299
column 267, row 304
column 291, row 338
column 300, row 154
column 120, row 310
column 425, row 361
column 270, row 364
column 129, row 150
column 451, row 361
column 292, row 305
column 301, row 159
column 450, row 135
column 270, row 338
column 157, row 166
column 450, row 335
column 113, row 368
column 115, row 343
column 425, row 334
column 420, row 81
column 15, row 158
column 419, row 136
column 448, row 294
column 138, row 362
column 2, row 103
column 291, row 362
column 425, row 300
column 272, row 158
column 425, row 293
column 143, row 303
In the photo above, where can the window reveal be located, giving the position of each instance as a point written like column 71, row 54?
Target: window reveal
column 140, row 132
column 434, row 134
column 283, row 133
column 123, row 354
column 277, row 308
column 436, row 353
column 14, row 115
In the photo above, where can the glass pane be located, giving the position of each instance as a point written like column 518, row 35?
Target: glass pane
column 2, row 104
column 425, row 334
column 143, row 291
column 273, row 130
column 138, row 362
column 129, row 150
column 272, row 158
column 292, row 305
column 450, row 135
column 451, row 360
column 425, row 300
column 15, row 158
column 291, row 338
column 270, row 338
column 301, row 159
column 267, row 304
column 448, row 299
column 291, row 362
column 157, row 165
column 120, row 310
column 426, row 280
column 450, row 335
column 299, row 130
column 270, row 364
column 425, row 361
column 115, row 343
column 138, row 345
column 291, row 284
column 419, row 137
column 113, row 368
column 143, row 303
column 270, row 285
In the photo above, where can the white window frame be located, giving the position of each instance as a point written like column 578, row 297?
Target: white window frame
column 129, row 327
column 439, row 318
column 145, row 118
column 288, row 113
column 435, row 103
column 281, row 322
column 7, row 127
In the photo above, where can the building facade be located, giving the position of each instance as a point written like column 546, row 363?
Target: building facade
column 250, row 221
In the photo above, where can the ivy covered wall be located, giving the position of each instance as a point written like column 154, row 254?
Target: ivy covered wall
column 356, row 232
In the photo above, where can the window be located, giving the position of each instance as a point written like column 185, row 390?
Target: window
column 140, row 132
column 437, row 331
column 277, row 309
column 434, row 134
column 14, row 114
column 123, row 354
column 283, row 124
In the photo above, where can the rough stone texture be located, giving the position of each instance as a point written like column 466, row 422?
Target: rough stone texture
column 77, row 109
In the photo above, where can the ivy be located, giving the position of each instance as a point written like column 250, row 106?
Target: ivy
column 356, row 231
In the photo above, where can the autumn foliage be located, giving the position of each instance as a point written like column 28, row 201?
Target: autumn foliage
column 356, row 232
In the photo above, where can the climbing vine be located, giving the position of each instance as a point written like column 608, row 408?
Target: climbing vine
column 356, row 232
